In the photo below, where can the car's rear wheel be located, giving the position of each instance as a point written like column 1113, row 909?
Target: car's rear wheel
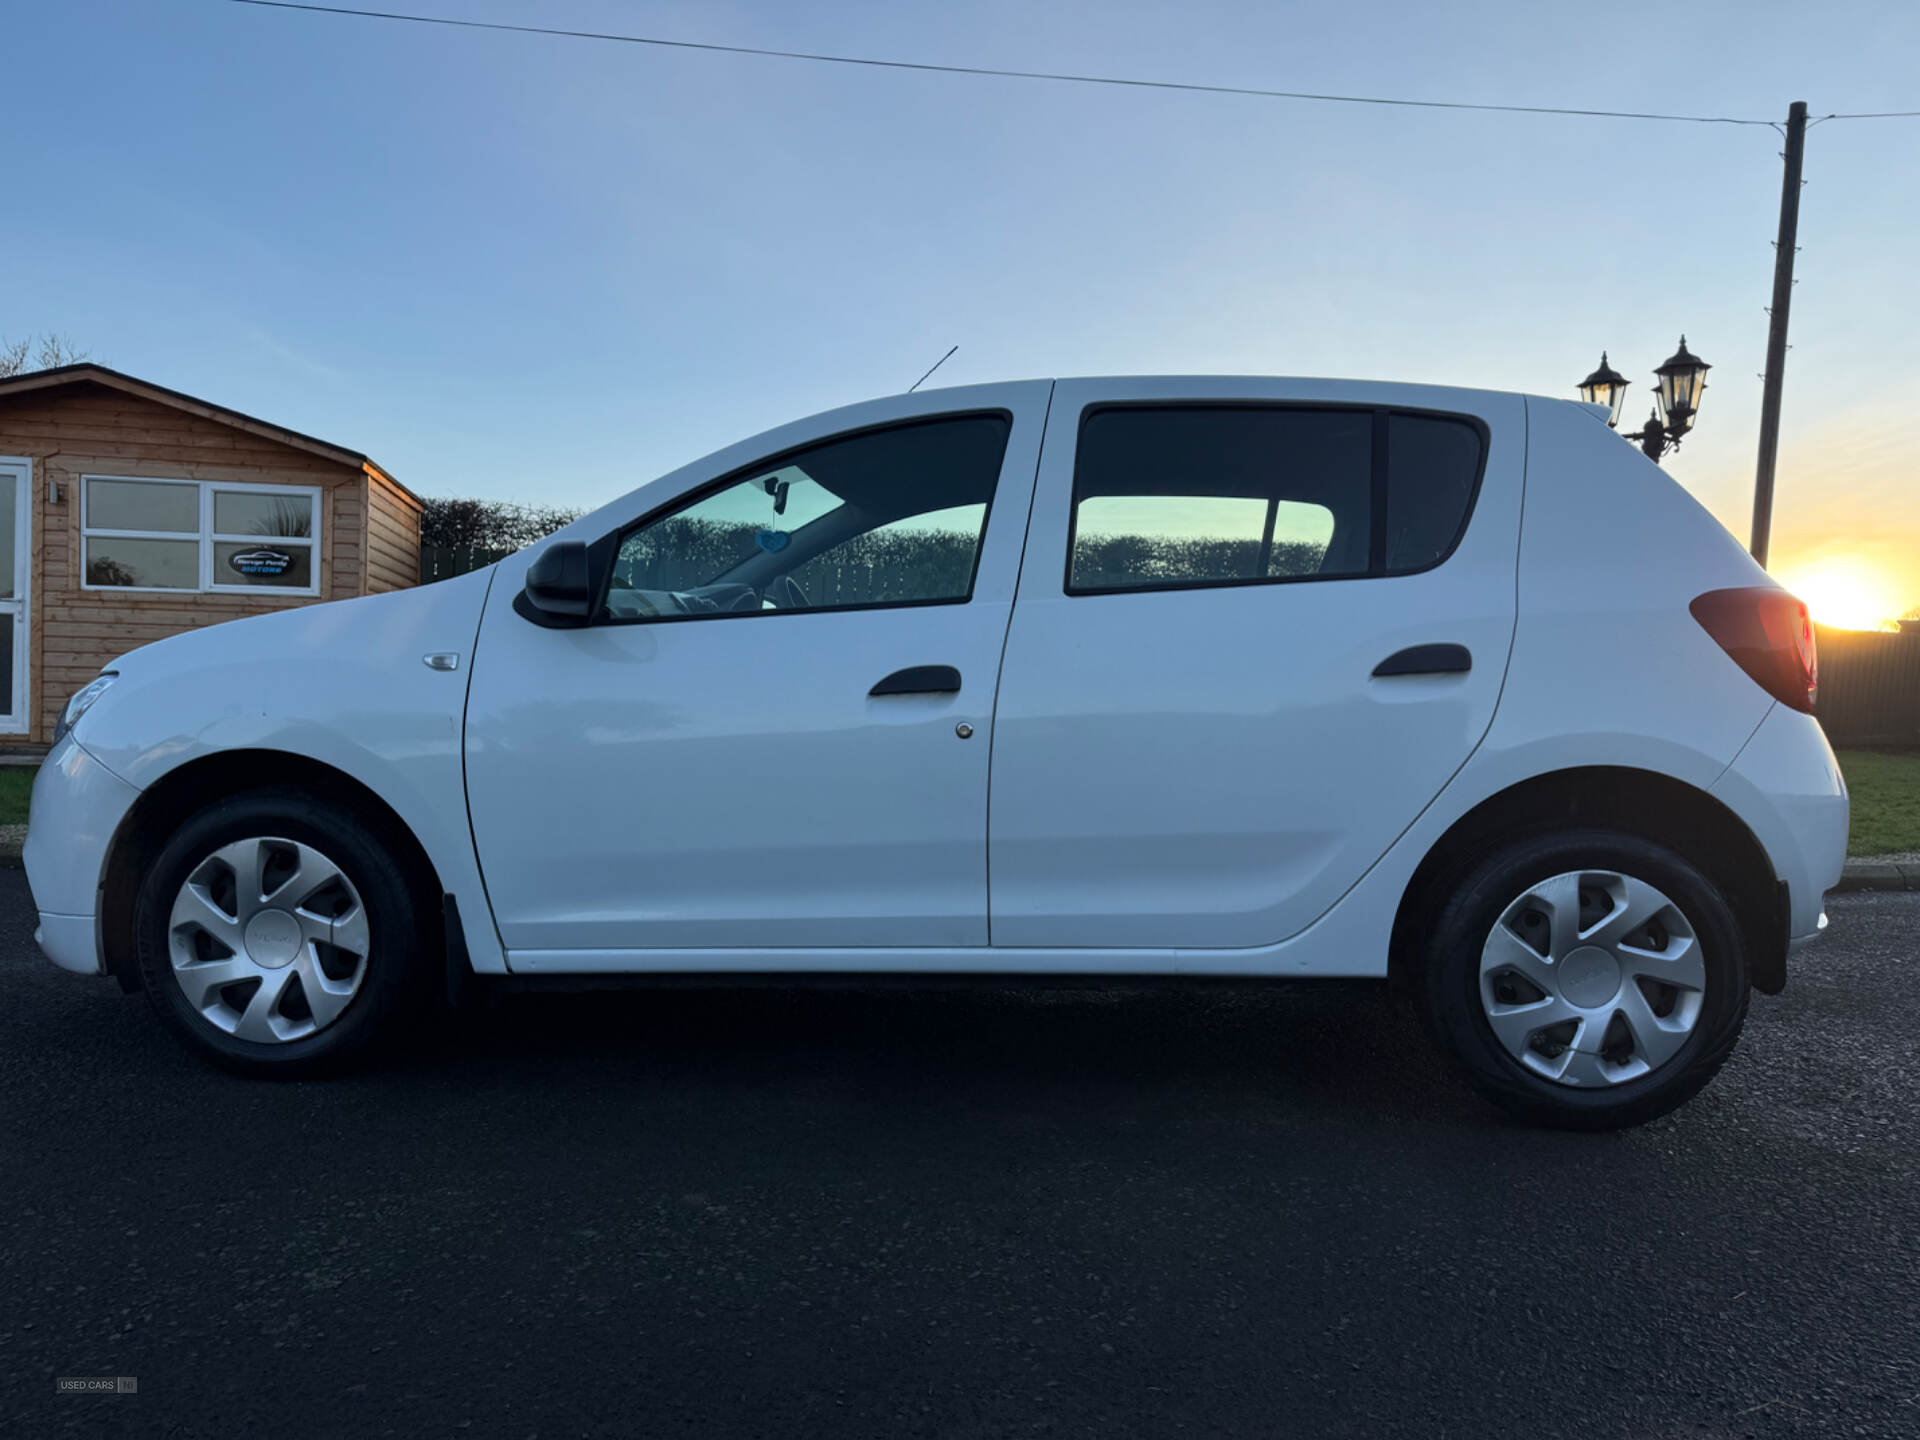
column 276, row 934
column 1589, row 980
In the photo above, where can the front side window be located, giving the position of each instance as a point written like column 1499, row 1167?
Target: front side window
column 1181, row 497
column 198, row 535
column 922, row 557
column 883, row 517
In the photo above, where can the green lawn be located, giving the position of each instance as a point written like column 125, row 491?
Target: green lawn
column 1886, row 801
column 1885, row 788
column 15, row 782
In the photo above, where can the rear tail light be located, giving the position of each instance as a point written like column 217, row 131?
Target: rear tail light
column 1769, row 635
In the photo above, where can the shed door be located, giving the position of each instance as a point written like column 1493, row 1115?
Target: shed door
column 15, row 567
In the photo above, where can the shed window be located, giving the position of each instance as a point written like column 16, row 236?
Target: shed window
column 199, row 535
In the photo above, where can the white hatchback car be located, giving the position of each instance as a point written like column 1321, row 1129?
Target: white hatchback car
column 1191, row 677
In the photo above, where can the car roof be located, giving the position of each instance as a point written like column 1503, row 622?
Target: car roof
column 1321, row 386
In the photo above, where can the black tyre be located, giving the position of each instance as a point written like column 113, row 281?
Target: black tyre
column 1588, row 979
column 276, row 935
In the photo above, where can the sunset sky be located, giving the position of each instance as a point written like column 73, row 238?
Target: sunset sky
column 547, row 270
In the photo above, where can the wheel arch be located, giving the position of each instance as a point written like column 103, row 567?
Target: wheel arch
column 200, row 782
column 1646, row 803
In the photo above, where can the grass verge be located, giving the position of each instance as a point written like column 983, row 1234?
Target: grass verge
column 1886, row 801
column 15, row 782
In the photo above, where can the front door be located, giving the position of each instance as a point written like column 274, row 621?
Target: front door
column 1261, row 623
column 16, row 559
column 773, row 737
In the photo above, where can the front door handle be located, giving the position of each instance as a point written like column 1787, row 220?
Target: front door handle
column 920, row 680
column 1426, row 660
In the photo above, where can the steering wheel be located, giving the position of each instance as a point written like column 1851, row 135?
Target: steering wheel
column 786, row 594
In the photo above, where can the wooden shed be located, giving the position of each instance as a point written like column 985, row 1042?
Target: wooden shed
column 129, row 512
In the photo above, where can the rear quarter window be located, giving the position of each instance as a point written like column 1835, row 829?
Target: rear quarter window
column 1433, row 470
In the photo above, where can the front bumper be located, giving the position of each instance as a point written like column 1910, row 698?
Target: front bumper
column 77, row 808
column 70, row 941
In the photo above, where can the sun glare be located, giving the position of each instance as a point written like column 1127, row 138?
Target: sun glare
column 1847, row 594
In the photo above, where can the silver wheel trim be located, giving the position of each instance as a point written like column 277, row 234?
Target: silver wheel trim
column 1544, row 979
column 268, row 939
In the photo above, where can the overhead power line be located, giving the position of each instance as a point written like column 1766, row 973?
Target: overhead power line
column 1056, row 76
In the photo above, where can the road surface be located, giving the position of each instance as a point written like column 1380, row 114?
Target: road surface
column 984, row 1213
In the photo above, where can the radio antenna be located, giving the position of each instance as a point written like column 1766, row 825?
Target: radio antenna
column 936, row 365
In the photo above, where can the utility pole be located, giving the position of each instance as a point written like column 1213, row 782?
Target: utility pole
column 1777, row 330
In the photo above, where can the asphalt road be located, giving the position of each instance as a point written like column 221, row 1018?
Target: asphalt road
column 986, row 1213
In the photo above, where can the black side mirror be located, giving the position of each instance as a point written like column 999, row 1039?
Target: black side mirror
column 559, row 588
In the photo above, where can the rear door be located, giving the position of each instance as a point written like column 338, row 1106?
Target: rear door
column 1260, row 624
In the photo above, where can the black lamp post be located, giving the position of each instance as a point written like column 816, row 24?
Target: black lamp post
column 1681, row 382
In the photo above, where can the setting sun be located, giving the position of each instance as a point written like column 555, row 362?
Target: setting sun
column 1847, row 594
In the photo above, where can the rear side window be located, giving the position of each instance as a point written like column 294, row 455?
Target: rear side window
column 1176, row 497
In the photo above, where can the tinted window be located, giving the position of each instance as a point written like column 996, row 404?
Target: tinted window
column 923, row 557
column 699, row 544
column 1201, row 495
column 885, row 517
column 1433, row 464
column 1180, row 496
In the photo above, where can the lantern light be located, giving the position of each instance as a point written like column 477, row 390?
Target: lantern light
column 1683, row 379
column 1606, row 386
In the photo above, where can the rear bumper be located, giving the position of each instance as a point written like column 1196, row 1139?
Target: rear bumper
column 1786, row 786
column 1798, row 943
column 77, row 808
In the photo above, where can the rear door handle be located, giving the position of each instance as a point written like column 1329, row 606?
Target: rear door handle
column 1426, row 660
column 920, row 680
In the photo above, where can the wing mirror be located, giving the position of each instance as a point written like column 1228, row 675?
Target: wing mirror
column 559, row 588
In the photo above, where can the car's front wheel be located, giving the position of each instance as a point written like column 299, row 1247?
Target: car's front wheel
column 1590, row 979
column 276, row 934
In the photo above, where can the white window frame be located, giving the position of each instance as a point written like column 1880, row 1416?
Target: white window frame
column 206, row 537
column 20, row 722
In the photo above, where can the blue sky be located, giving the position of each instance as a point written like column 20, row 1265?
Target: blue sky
column 547, row 270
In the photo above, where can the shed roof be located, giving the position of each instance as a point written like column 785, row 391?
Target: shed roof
column 86, row 372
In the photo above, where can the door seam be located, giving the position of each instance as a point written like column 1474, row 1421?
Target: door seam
column 993, row 727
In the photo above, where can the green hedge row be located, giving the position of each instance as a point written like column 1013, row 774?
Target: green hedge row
column 886, row 565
